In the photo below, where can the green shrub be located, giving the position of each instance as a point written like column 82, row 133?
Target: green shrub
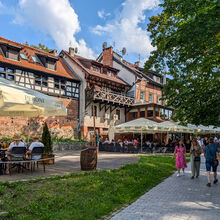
column 46, row 140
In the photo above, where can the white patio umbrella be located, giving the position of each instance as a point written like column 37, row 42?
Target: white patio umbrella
column 140, row 125
column 176, row 128
column 16, row 100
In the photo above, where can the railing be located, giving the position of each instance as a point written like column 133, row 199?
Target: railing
column 113, row 97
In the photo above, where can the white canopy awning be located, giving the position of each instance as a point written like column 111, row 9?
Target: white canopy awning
column 16, row 100
column 176, row 128
column 143, row 125
column 140, row 125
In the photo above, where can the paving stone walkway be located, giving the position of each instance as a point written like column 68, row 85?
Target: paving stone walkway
column 69, row 161
column 177, row 198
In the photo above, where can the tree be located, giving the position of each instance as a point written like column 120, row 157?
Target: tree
column 46, row 140
column 40, row 46
column 187, row 41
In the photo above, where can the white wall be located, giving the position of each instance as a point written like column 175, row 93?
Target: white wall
column 80, row 73
column 124, row 73
column 100, row 120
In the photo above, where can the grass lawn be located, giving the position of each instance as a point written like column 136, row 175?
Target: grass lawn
column 84, row 195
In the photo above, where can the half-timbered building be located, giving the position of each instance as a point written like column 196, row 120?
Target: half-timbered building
column 46, row 73
column 145, row 88
column 102, row 94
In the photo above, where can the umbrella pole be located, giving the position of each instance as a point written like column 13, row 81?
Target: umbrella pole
column 93, row 110
column 141, row 141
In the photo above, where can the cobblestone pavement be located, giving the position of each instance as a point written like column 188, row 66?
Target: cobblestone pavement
column 69, row 161
column 177, row 198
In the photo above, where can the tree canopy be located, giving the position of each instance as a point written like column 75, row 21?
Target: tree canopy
column 40, row 46
column 186, row 37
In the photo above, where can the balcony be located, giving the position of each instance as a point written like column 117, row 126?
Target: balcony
column 111, row 97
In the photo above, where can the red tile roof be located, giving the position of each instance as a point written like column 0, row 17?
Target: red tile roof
column 79, row 60
column 61, row 67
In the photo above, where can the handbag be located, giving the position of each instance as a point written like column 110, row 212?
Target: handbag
column 197, row 158
column 216, row 163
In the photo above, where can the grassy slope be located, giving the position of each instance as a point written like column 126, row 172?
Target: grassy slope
column 86, row 195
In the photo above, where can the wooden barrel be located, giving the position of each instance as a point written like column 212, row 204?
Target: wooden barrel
column 88, row 159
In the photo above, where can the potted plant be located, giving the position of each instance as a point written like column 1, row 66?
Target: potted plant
column 48, row 145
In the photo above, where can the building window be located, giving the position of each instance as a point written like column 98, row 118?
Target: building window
column 142, row 114
column 69, row 89
column 110, row 73
column 44, row 83
column 2, row 75
column 135, row 115
column 96, row 68
column 2, row 69
column 166, row 114
column 11, row 77
column 162, row 113
column 150, row 113
column 23, row 56
column 57, row 86
column 63, row 82
column 56, row 81
column 10, row 70
column 18, row 71
column 35, row 59
column 37, row 82
column 151, row 97
column 72, row 89
column 118, row 113
column 142, row 95
column 63, row 87
column 156, row 112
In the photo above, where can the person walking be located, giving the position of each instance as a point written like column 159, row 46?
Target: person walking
column 195, row 152
column 212, row 160
column 180, row 152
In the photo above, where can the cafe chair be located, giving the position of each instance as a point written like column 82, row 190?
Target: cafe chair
column 15, row 155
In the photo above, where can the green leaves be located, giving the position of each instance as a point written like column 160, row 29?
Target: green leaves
column 186, row 35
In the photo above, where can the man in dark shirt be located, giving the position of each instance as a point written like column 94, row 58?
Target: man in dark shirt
column 211, row 156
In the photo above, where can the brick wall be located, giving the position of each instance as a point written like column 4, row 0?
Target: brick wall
column 60, row 126
column 147, row 88
column 108, row 56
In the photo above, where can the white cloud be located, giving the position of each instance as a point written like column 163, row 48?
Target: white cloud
column 125, row 29
column 102, row 14
column 1, row 5
column 56, row 18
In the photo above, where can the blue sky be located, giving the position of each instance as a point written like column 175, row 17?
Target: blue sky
column 85, row 24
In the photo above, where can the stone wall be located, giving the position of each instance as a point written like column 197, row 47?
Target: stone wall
column 61, row 127
column 60, row 146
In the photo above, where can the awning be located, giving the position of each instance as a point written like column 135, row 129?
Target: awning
column 174, row 127
column 140, row 125
column 16, row 100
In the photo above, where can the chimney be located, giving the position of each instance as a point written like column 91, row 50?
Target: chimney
column 137, row 63
column 107, row 56
column 54, row 52
column 71, row 51
column 164, row 79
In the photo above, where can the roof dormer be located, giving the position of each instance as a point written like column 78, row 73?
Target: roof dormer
column 10, row 51
column 47, row 61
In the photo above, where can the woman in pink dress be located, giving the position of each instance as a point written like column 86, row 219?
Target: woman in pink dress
column 180, row 151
